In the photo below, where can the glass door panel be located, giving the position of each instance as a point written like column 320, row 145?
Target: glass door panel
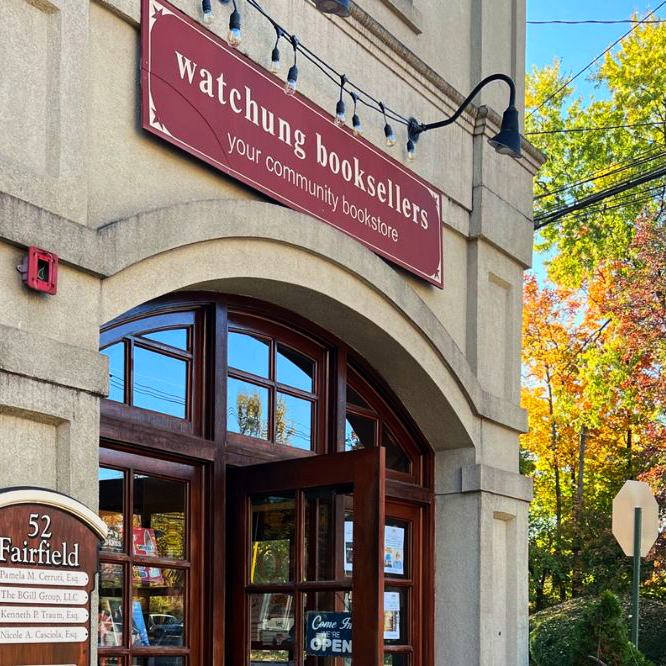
column 290, row 525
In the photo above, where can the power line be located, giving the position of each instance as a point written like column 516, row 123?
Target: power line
column 544, row 219
column 608, row 22
column 573, row 78
column 596, row 129
column 638, row 160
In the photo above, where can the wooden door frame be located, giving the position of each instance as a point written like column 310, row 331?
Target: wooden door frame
column 364, row 472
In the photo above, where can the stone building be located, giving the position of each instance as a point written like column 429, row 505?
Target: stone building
column 241, row 337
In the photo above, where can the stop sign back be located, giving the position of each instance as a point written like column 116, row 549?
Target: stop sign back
column 635, row 494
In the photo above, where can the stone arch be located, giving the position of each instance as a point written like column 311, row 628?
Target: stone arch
column 287, row 258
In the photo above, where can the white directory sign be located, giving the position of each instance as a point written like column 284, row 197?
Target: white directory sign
column 42, row 615
column 39, row 595
column 9, row 635
column 55, row 577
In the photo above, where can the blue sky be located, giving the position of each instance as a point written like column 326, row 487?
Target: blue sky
column 576, row 45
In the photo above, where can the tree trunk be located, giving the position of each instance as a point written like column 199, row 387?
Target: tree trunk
column 577, row 574
column 630, row 462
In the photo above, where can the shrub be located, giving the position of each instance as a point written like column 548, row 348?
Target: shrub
column 553, row 639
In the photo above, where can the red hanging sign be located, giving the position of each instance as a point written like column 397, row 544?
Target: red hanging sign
column 206, row 98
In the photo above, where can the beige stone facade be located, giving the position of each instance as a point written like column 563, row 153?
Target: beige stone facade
column 132, row 219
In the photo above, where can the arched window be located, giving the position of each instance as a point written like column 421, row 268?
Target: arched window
column 201, row 384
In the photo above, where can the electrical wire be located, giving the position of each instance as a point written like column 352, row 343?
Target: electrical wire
column 599, row 22
column 547, row 218
column 617, row 41
column 638, row 160
column 595, row 129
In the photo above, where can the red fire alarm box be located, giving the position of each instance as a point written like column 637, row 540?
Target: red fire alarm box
column 39, row 270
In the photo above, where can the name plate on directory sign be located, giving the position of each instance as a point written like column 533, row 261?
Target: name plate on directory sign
column 211, row 101
column 48, row 560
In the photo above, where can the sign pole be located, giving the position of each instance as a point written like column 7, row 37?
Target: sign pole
column 638, row 516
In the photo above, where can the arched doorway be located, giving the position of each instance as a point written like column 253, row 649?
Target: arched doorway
column 256, row 475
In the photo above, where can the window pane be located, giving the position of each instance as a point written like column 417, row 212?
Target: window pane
column 160, row 382
column 395, row 616
column 111, row 510
column 396, row 458
column 247, row 408
column 110, row 611
column 248, row 353
column 353, row 398
column 330, row 608
column 158, row 522
column 294, row 369
column 325, row 510
column 116, row 356
column 158, row 606
column 273, row 530
column 271, row 628
column 293, row 421
column 359, row 432
column 396, row 659
column 158, row 661
column 110, row 661
column 175, row 337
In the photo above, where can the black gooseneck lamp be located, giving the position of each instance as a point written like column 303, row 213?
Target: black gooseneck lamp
column 506, row 142
column 338, row 7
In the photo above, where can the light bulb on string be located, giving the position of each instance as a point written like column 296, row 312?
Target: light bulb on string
column 234, row 36
column 207, row 11
column 388, row 130
column 414, row 130
column 275, row 54
column 292, row 76
column 356, row 121
column 340, row 106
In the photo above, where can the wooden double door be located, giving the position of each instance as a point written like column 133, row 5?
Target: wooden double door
column 306, row 561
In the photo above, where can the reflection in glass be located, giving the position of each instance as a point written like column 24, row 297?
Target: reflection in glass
column 247, row 409
column 396, row 659
column 293, row 421
column 396, row 458
column 359, row 432
column 110, row 661
column 158, row 520
column 158, row 606
column 111, row 494
column 273, row 530
column 271, row 628
column 160, row 382
column 294, row 369
column 395, row 616
column 116, row 356
column 174, row 337
column 110, row 605
column 158, row 661
column 248, row 353
column 325, row 511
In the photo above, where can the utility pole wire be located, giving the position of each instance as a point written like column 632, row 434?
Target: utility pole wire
column 617, row 41
column 542, row 220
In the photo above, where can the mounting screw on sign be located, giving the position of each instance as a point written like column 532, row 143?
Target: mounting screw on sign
column 39, row 270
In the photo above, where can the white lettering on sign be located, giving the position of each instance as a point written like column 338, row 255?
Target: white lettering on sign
column 41, row 615
column 65, row 555
column 14, row 635
column 43, row 577
column 37, row 595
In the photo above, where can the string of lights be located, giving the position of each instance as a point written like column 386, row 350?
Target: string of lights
column 575, row 76
column 506, row 142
